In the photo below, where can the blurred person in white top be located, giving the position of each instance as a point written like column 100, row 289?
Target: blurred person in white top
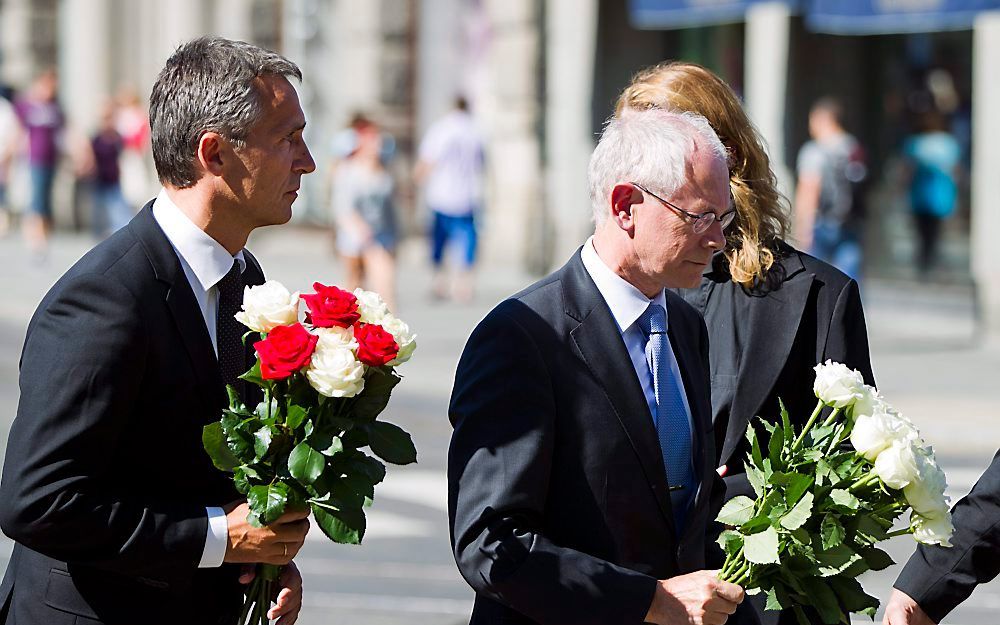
column 450, row 167
column 8, row 139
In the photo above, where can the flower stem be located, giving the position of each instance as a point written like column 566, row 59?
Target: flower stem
column 867, row 480
column 900, row 532
column 832, row 417
column 808, row 425
column 741, row 573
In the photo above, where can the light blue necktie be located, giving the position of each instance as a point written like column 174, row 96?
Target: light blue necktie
column 672, row 425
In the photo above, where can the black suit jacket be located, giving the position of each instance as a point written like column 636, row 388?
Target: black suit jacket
column 764, row 345
column 940, row 578
column 558, row 498
column 105, row 481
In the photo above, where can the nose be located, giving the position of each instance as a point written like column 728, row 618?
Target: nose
column 714, row 238
column 304, row 163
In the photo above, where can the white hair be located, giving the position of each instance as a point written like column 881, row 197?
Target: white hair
column 650, row 147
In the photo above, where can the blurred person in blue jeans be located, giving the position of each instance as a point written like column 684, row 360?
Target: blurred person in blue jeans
column 111, row 211
column 43, row 121
column 450, row 166
column 933, row 156
column 828, row 201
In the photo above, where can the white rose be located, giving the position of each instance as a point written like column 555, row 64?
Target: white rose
column 336, row 372
column 896, row 465
column 268, row 306
column 837, row 385
column 371, row 306
column 405, row 338
column 336, row 337
column 926, row 493
column 869, row 403
column 932, row 530
column 873, row 433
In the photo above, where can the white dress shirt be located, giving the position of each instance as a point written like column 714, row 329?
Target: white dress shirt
column 205, row 263
column 627, row 304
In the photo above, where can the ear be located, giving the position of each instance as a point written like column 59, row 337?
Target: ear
column 209, row 152
column 623, row 197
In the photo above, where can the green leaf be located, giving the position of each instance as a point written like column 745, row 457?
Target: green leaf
column 262, row 441
column 340, row 526
column 360, row 484
column 265, row 411
column 390, row 442
column 831, row 531
column 730, row 541
column 756, row 479
column 295, row 416
column 754, row 524
column 797, row 516
column 305, row 463
column 852, row 596
column 823, row 472
column 836, row 559
column 870, row 528
column 214, row 441
column 797, row 486
column 355, row 438
column 240, row 440
column 775, row 445
column 235, row 402
column 762, row 547
column 824, row 600
column 737, row 511
column 378, row 388
column 267, row 503
column 371, row 468
column 786, row 425
column 253, row 375
column 844, row 499
column 777, row 598
column 876, row 559
column 755, row 453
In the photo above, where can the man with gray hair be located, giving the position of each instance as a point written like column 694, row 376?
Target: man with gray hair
column 117, row 512
column 581, row 471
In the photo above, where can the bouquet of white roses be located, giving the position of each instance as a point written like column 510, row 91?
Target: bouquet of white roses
column 822, row 506
column 325, row 380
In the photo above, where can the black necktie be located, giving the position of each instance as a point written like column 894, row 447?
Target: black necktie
column 229, row 331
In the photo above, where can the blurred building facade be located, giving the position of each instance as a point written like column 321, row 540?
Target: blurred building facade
column 542, row 75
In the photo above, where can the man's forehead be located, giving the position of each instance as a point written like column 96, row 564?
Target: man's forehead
column 280, row 97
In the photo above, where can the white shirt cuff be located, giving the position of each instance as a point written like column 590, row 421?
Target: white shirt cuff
column 216, row 540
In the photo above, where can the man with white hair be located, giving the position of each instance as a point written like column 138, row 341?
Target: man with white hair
column 581, row 471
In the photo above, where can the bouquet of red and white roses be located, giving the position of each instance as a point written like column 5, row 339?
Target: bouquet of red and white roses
column 822, row 506
column 325, row 380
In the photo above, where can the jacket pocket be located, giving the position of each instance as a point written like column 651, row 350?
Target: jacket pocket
column 61, row 594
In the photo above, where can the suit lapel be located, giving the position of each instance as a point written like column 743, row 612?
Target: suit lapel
column 775, row 320
column 182, row 305
column 601, row 348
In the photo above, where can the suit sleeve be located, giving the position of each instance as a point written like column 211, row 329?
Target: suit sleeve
column 499, row 466
column 847, row 340
column 940, row 578
column 81, row 373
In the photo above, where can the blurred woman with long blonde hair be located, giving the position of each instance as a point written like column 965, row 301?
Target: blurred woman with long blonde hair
column 773, row 312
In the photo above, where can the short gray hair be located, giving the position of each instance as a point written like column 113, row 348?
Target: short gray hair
column 650, row 147
column 207, row 85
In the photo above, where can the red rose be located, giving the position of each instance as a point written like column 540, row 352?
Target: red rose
column 375, row 346
column 285, row 350
column 330, row 306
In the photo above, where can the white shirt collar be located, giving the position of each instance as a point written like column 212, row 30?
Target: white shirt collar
column 206, row 257
column 626, row 302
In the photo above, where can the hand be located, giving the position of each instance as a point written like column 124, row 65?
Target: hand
column 698, row 598
column 902, row 610
column 289, row 602
column 276, row 543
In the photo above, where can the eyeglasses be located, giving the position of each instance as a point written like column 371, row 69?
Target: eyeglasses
column 700, row 222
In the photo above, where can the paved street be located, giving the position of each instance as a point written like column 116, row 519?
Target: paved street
column 928, row 361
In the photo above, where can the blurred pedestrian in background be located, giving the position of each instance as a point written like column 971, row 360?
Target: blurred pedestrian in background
column 42, row 120
column 111, row 210
column 772, row 311
column 365, row 215
column 8, row 137
column 132, row 123
column 933, row 156
column 829, row 210
column 345, row 142
column 450, row 167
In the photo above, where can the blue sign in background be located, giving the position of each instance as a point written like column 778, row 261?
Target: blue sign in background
column 846, row 17
column 859, row 17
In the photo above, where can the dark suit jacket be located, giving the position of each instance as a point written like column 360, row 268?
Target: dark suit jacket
column 765, row 343
column 558, row 498
column 940, row 578
column 105, row 481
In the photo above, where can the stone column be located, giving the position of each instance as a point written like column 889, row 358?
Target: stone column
column 84, row 61
column 571, row 41
column 766, row 51
column 985, row 165
column 16, row 63
column 234, row 19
